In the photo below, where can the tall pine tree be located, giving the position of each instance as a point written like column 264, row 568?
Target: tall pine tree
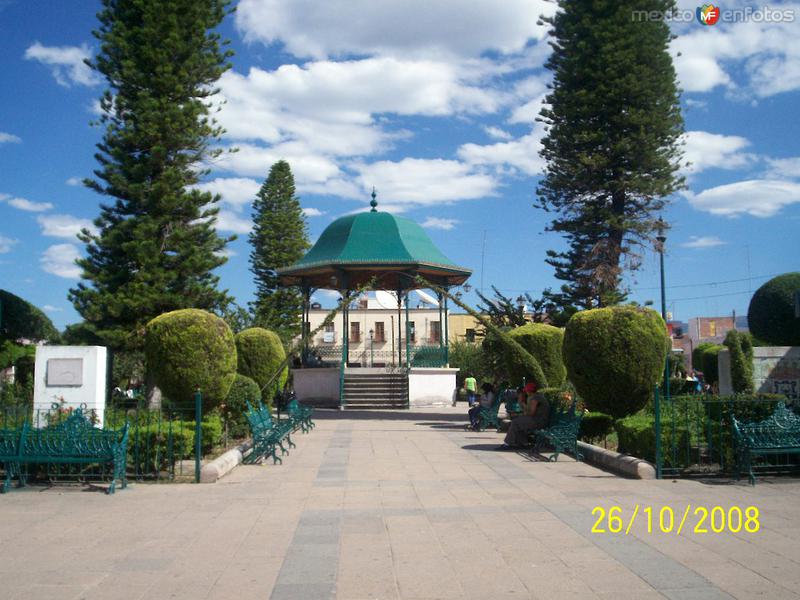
column 156, row 245
column 279, row 239
column 612, row 146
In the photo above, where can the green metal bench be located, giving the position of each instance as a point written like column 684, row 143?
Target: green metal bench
column 268, row 435
column 300, row 414
column 74, row 441
column 778, row 434
column 488, row 417
column 561, row 433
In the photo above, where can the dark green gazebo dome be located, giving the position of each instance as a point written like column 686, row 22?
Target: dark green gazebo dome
column 354, row 249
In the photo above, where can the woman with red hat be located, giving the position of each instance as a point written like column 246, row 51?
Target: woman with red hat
column 535, row 413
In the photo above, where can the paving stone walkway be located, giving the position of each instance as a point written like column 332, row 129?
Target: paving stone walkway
column 386, row 505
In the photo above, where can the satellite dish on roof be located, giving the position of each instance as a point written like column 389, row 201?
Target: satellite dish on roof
column 427, row 298
column 384, row 299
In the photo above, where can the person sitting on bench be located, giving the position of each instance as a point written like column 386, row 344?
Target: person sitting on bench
column 486, row 401
column 535, row 415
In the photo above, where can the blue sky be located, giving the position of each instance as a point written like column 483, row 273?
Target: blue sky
column 431, row 102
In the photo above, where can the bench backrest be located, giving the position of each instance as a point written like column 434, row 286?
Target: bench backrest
column 75, row 436
column 563, row 417
column 259, row 417
column 780, row 429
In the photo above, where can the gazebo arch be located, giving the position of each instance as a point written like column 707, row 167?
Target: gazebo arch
column 381, row 249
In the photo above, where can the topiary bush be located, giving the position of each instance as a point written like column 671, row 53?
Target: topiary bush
column 544, row 342
column 191, row 348
column 21, row 319
column 705, row 359
column 595, row 426
column 260, row 353
column 243, row 390
column 770, row 315
column 740, row 348
column 637, row 437
column 615, row 356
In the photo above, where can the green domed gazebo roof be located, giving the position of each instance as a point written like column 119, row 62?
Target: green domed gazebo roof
column 356, row 248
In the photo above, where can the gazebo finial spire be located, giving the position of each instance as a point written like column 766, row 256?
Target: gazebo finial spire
column 373, row 203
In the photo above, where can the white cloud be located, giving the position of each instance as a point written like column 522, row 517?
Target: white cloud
column 256, row 161
column 65, row 62
column 74, row 181
column 414, row 181
column 26, row 205
column 226, row 253
column 782, row 168
column 706, row 150
column 313, row 212
column 757, row 197
column 705, row 241
column 397, row 27
column 497, row 133
column 437, row 223
column 6, row 243
column 230, row 221
column 60, row 260
column 6, row 138
column 64, row 226
column 521, row 154
column 51, row 308
column 235, row 191
column 753, row 58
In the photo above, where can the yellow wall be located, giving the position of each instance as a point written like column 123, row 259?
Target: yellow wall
column 458, row 325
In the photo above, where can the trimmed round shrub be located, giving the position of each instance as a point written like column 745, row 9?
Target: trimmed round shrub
column 191, row 348
column 243, row 390
column 615, row 356
column 740, row 347
column 705, row 360
column 771, row 312
column 260, row 353
column 544, row 342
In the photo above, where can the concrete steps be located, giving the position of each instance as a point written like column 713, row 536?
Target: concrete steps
column 375, row 390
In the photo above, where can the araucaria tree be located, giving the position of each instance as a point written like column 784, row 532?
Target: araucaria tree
column 279, row 239
column 612, row 145
column 156, row 246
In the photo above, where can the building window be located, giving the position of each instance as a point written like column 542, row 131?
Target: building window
column 470, row 335
column 413, row 334
column 436, row 332
column 380, row 333
column 355, row 333
column 329, row 328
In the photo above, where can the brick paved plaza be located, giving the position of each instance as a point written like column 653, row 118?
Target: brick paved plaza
column 395, row 505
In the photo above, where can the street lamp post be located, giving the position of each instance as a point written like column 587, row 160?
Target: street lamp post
column 371, row 354
column 661, row 239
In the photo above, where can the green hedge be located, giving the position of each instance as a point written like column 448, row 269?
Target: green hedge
column 615, row 356
column 636, row 436
column 596, row 426
column 189, row 349
column 770, row 315
column 740, row 348
column 242, row 391
column 544, row 342
column 260, row 353
column 158, row 445
column 705, row 359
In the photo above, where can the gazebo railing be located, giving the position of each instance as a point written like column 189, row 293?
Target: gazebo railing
column 431, row 356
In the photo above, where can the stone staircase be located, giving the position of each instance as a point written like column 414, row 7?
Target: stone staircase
column 375, row 390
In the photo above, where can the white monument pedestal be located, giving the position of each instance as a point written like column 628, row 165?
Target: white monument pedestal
column 71, row 376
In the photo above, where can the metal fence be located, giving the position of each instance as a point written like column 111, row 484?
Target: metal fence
column 420, row 356
column 161, row 441
column 697, row 434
